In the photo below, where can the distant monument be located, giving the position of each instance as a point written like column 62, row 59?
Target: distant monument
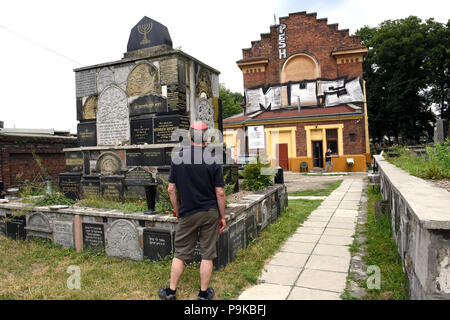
column 128, row 109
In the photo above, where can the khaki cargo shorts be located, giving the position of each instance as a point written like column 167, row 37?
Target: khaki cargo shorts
column 205, row 226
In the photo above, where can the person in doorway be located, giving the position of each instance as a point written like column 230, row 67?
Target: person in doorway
column 200, row 213
column 328, row 163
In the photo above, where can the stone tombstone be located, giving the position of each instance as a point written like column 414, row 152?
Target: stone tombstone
column 90, row 187
column 63, row 233
column 176, row 97
column 204, row 111
column 93, row 236
column 109, row 163
column 134, row 157
column 147, row 104
column 87, row 134
column 143, row 79
column 74, row 161
column 122, row 240
column 441, row 131
column 237, row 237
column 251, row 231
column 223, row 252
column 138, row 177
column 105, row 77
column 265, row 212
column 112, row 187
column 38, row 226
column 15, row 227
column 141, row 131
column 158, row 243
column 113, row 123
column 2, row 226
column 85, row 83
column 69, row 184
column 203, row 88
column 148, row 33
column 89, row 108
column 153, row 157
column 163, row 127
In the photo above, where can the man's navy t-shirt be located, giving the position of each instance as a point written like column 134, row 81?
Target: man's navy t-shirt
column 196, row 183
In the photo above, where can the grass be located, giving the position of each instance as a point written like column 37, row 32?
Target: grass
column 38, row 270
column 381, row 250
column 318, row 192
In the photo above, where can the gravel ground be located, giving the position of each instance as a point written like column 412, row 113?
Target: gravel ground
column 443, row 183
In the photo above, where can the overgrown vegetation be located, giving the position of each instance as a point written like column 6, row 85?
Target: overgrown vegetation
column 319, row 192
column 38, row 270
column 257, row 175
column 435, row 165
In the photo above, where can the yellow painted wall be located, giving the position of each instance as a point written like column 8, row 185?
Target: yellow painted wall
column 339, row 163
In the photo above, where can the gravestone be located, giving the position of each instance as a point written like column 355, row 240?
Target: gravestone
column 112, row 187
column 122, row 240
column 85, row 83
column 250, row 228
column 141, row 131
column 38, row 226
column 163, row 126
column 90, row 187
column 63, row 233
column 87, row 134
column 265, row 213
column 153, row 157
column 15, row 227
column 69, row 184
column 138, row 177
column 93, row 236
column 147, row 104
column 158, row 243
column 105, row 77
column 148, row 33
column 176, row 98
column 2, row 226
column 237, row 237
column 113, row 123
column 74, row 161
column 223, row 252
column 134, row 157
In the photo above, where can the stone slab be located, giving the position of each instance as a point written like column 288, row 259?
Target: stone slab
column 298, row 247
column 280, row 275
column 331, row 250
column 342, row 225
column 299, row 293
column 266, row 291
column 316, row 224
column 328, row 263
column 336, row 240
column 322, row 280
column 309, row 230
column 305, row 237
column 289, row 259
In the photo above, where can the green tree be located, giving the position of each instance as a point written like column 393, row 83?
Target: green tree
column 231, row 102
column 399, row 79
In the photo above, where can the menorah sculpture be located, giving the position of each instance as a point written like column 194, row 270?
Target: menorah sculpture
column 144, row 29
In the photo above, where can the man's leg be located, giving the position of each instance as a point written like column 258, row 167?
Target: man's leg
column 176, row 272
column 206, row 267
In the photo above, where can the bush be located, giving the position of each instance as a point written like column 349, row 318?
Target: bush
column 255, row 177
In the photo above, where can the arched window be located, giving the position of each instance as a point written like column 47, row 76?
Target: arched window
column 300, row 66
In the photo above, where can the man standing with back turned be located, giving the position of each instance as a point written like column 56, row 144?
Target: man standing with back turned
column 201, row 211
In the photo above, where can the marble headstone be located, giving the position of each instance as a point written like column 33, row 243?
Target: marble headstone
column 122, row 240
column 63, row 233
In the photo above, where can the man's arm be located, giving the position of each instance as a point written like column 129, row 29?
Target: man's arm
column 220, row 194
column 172, row 189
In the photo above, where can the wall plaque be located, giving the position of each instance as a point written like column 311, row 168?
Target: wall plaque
column 112, row 188
column 63, row 233
column 89, row 109
column 141, row 131
column 223, row 253
column 149, row 103
column 90, row 187
column 2, row 226
column 85, row 83
column 122, row 240
column 163, row 127
column 237, row 237
column 134, row 157
column 74, row 161
column 105, row 77
column 138, row 177
column 87, row 134
column 153, row 157
column 93, row 236
column 204, row 111
column 176, row 97
column 69, row 184
column 158, row 243
column 15, row 227
column 143, row 79
column 250, row 228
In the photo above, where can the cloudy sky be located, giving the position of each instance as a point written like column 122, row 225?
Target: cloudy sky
column 41, row 42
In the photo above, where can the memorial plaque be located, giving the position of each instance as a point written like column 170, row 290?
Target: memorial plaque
column 138, row 177
column 38, row 226
column 122, row 240
column 148, row 33
column 63, row 233
column 150, row 103
column 15, row 227
column 85, row 83
column 204, row 111
column 93, row 236
column 181, row 71
column 2, row 226
column 250, row 228
column 153, row 157
column 158, row 243
column 74, row 161
column 163, row 127
column 143, row 79
column 87, row 134
column 168, row 155
column 105, row 77
column 90, row 187
column 176, row 97
column 113, row 123
column 109, row 163
column 237, row 237
column 141, row 131
column 89, row 109
column 134, row 157
column 112, row 188
column 79, row 109
column 69, row 183
column 223, row 253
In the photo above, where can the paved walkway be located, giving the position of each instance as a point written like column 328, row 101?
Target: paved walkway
column 313, row 263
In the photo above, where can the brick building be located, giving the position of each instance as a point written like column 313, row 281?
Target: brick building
column 21, row 149
column 303, row 83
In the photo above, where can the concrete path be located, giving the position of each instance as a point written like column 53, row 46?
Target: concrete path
column 313, row 263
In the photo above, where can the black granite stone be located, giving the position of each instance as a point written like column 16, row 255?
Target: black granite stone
column 112, row 187
column 176, row 98
column 251, row 231
column 167, row 155
column 141, row 131
column 15, row 227
column 69, row 184
column 90, row 187
column 87, row 134
column 147, row 104
column 148, row 33
column 93, row 236
column 74, row 161
column 134, row 157
column 163, row 126
column 2, row 226
column 158, row 243
column 237, row 237
column 153, row 157
column 79, row 109
column 138, row 177
column 223, row 253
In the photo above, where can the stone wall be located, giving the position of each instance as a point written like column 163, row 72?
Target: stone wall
column 135, row 235
column 421, row 227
